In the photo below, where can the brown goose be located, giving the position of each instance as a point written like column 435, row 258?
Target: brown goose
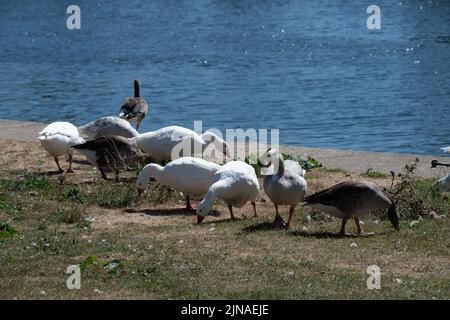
column 110, row 154
column 134, row 108
column 353, row 199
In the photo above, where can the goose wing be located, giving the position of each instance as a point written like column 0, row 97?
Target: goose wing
column 133, row 107
column 346, row 196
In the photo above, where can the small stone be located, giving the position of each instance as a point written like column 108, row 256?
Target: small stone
column 290, row 274
column 98, row 291
column 353, row 245
column 398, row 281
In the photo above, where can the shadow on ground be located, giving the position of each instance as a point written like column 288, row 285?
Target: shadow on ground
column 163, row 212
column 331, row 235
column 264, row 226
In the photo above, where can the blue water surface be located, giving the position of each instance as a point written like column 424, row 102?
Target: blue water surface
column 310, row 68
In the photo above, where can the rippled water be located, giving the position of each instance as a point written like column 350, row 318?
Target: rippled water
column 310, row 68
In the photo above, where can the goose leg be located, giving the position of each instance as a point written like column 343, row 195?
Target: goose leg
column 255, row 215
column 291, row 212
column 278, row 222
column 188, row 204
column 138, row 123
column 342, row 231
column 360, row 230
column 103, row 174
column 230, row 207
column 60, row 170
column 70, row 170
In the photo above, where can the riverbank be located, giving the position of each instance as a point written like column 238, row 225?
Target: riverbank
column 346, row 160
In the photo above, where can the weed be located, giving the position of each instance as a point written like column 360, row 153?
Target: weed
column 374, row 174
column 6, row 230
column 73, row 194
column 113, row 195
column 68, row 215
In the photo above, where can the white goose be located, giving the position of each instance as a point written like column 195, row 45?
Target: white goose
column 285, row 187
column 236, row 184
column 58, row 138
column 108, row 126
column 190, row 176
column 159, row 144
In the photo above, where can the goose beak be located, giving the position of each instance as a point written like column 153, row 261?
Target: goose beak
column 226, row 151
column 200, row 219
column 394, row 217
column 139, row 191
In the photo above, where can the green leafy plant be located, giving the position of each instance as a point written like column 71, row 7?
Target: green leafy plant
column 73, row 194
column 374, row 174
column 307, row 164
column 417, row 197
column 89, row 260
column 6, row 230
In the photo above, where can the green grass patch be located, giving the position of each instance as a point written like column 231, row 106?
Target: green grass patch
column 73, row 194
column 113, row 195
column 374, row 174
column 28, row 182
column 8, row 206
column 6, row 230
column 69, row 215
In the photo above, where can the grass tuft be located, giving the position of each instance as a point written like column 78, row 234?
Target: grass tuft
column 6, row 230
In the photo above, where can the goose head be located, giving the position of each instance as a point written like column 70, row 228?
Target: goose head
column 143, row 179
column 210, row 137
column 394, row 217
column 204, row 207
column 273, row 162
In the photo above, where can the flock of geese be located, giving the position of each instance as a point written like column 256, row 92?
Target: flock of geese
column 111, row 144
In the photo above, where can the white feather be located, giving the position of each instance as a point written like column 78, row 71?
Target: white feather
column 235, row 183
column 58, row 138
column 160, row 144
column 191, row 176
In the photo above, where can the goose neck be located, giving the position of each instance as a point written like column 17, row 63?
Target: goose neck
column 137, row 89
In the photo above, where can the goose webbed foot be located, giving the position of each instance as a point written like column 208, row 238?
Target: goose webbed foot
column 341, row 232
column 361, row 232
column 188, row 205
column 70, row 169
column 60, row 170
column 279, row 223
column 365, row 234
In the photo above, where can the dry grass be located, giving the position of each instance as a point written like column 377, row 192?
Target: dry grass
column 161, row 253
